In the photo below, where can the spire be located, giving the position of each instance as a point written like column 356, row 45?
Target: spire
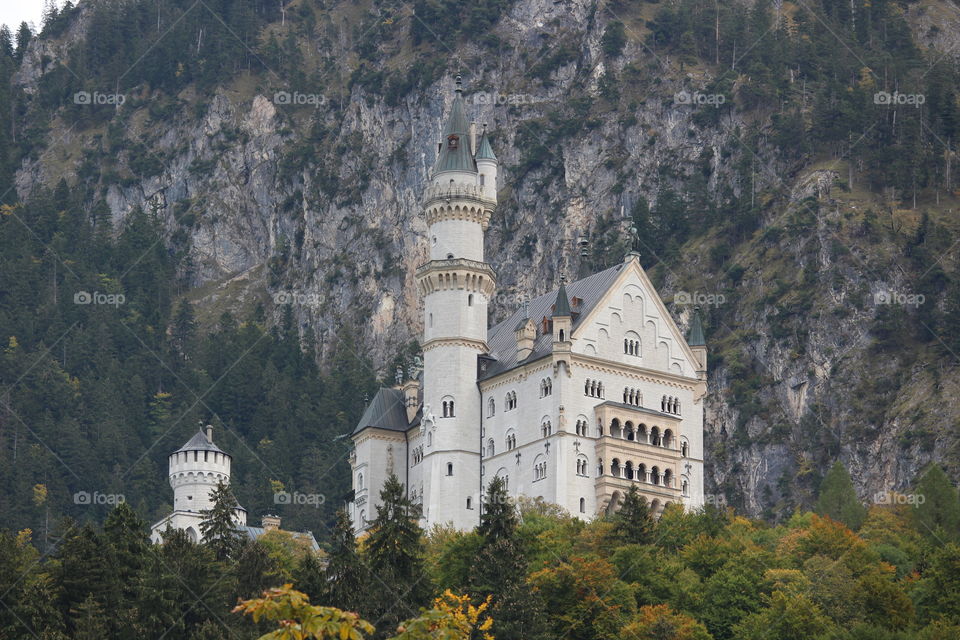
column 455, row 147
column 561, row 308
column 484, row 150
column 696, row 338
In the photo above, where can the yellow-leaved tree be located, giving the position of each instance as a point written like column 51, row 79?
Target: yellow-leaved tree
column 451, row 618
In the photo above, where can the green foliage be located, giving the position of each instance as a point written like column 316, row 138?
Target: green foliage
column 614, row 39
column 937, row 511
column 219, row 530
column 633, row 523
column 394, row 555
column 838, row 498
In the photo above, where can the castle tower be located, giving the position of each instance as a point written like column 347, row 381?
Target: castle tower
column 456, row 285
column 194, row 471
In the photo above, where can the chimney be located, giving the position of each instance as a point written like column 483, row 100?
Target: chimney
column 473, row 138
column 210, row 433
column 525, row 334
column 271, row 523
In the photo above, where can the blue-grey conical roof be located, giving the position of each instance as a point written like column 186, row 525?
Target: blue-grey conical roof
column 455, row 154
column 562, row 305
column 199, row 442
column 484, row 150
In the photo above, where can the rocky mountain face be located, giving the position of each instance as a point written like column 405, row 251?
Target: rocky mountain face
column 305, row 194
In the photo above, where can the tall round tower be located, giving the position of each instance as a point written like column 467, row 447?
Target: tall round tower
column 456, row 285
column 195, row 470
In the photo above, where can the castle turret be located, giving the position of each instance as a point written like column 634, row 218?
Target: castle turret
column 487, row 166
column 562, row 317
column 456, row 285
column 195, row 470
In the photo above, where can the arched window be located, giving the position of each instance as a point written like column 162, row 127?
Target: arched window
column 686, row 487
column 628, row 470
column 655, row 475
column 655, row 436
column 470, row 300
column 449, row 468
column 429, row 438
column 448, row 408
column 539, row 468
column 668, row 439
column 359, row 481
column 490, row 448
column 469, row 502
column 683, row 449
column 561, row 335
column 583, row 505
column 642, row 472
column 615, row 469
column 667, row 478
column 615, row 430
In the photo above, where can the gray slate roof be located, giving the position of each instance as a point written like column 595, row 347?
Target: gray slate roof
column 561, row 308
column 199, row 442
column 484, row 150
column 501, row 339
column 387, row 410
column 460, row 158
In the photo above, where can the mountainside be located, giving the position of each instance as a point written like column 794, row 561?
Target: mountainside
column 793, row 177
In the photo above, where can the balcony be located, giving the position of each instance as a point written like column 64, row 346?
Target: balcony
column 637, row 447
column 457, row 191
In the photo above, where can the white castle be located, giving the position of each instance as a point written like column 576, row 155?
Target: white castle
column 579, row 395
column 195, row 469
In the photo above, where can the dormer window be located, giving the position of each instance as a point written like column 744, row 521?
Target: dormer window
column 453, row 141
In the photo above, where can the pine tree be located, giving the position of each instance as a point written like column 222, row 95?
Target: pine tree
column 500, row 570
column 255, row 570
column 124, row 533
column 394, row 554
column 838, row 498
column 345, row 577
column 937, row 512
column 634, row 523
column 499, row 519
column 218, row 528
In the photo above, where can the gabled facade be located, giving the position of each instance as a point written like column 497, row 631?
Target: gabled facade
column 580, row 394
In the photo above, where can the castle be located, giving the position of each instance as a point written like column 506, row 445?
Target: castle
column 577, row 396
column 195, row 469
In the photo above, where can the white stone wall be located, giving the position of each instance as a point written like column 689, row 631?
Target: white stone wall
column 194, row 475
column 457, row 238
column 377, row 453
column 450, row 374
column 456, row 313
column 661, row 369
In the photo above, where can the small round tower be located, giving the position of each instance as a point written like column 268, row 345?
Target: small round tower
column 195, row 470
